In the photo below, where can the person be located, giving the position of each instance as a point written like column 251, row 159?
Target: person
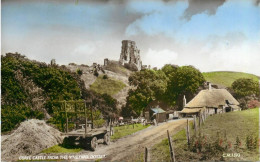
column 154, row 121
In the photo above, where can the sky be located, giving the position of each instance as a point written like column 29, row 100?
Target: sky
column 212, row 35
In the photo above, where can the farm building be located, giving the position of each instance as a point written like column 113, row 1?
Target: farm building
column 210, row 101
column 155, row 113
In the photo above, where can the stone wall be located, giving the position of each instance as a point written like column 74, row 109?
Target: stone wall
column 130, row 56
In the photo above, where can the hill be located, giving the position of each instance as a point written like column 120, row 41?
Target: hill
column 107, row 85
column 226, row 78
column 233, row 132
column 31, row 88
column 116, row 85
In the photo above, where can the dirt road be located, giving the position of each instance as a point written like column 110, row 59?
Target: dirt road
column 129, row 148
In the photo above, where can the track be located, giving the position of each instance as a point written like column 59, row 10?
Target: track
column 129, row 148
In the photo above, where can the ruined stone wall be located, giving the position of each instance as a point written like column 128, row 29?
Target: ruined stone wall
column 130, row 55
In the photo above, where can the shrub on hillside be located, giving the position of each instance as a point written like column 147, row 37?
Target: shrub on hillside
column 253, row 104
column 79, row 72
column 17, row 100
column 96, row 73
column 105, row 76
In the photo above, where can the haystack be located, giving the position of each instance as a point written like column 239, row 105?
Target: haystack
column 30, row 138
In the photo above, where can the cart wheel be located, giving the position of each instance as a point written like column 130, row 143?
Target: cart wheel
column 93, row 143
column 107, row 139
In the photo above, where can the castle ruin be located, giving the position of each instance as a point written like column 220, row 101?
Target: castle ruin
column 130, row 56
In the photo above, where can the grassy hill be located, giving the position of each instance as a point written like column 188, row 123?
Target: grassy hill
column 30, row 89
column 119, row 69
column 109, row 86
column 226, row 78
column 219, row 131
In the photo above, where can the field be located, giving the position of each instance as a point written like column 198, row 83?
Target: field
column 125, row 130
column 226, row 78
column 222, row 131
column 109, row 86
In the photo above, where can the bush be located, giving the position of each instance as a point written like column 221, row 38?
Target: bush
column 13, row 115
column 105, row 76
column 96, row 73
column 79, row 72
column 17, row 102
column 245, row 87
column 99, row 123
column 251, row 142
column 253, row 104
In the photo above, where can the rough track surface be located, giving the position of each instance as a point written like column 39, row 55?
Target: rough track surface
column 129, row 148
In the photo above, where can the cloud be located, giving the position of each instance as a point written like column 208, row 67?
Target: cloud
column 156, row 18
column 200, row 6
column 169, row 31
column 85, row 49
column 244, row 59
column 160, row 58
column 257, row 2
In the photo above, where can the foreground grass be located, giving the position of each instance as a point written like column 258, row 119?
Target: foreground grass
column 60, row 149
column 236, row 124
column 125, row 130
column 109, row 86
column 227, row 78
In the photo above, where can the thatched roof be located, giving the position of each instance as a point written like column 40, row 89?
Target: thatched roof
column 212, row 98
column 194, row 110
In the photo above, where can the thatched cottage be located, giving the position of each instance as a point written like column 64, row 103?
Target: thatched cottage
column 210, row 101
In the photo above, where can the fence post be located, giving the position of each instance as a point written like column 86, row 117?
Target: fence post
column 146, row 155
column 111, row 130
column 67, row 119
column 195, row 124
column 188, row 132
column 202, row 117
column 171, row 148
column 199, row 120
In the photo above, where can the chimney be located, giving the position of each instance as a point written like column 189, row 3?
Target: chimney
column 184, row 101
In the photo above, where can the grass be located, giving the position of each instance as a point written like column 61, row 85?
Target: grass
column 236, row 124
column 60, row 149
column 125, row 130
column 227, row 78
column 115, row 67
column 109, row 86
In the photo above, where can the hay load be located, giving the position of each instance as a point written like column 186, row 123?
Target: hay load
column 30, row 138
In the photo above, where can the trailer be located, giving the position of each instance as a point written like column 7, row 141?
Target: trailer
column 89, row 140
column 86, row 137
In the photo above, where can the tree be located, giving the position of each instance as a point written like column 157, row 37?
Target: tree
column 150, row 85
column 185, row 81
column 245, row 87
column 169, row 69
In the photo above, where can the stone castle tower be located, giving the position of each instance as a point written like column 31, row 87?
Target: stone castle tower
column 130, row 56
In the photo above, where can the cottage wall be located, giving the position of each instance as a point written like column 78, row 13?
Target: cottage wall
column 160, row 117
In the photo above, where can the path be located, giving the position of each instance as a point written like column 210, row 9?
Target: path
column 129, row 148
